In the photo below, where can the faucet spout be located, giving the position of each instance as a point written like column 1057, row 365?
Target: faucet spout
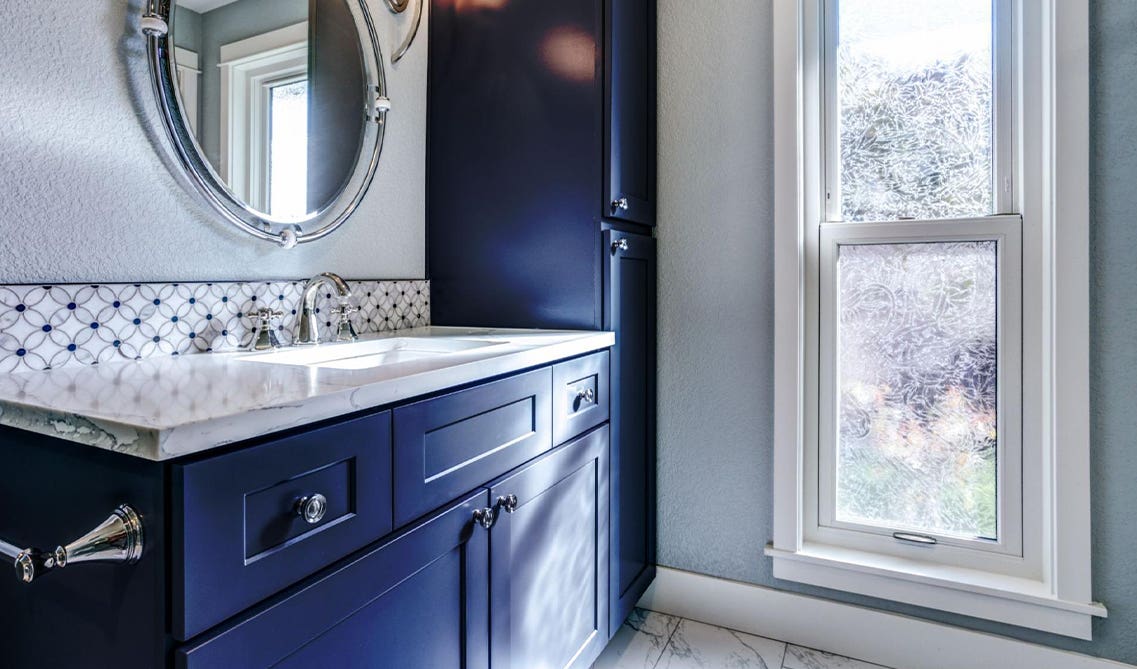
column 309, row 330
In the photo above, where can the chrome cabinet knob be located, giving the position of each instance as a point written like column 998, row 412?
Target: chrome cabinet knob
column 620, row 205
column 585, row 396
column 619, row 245
column 508, row 503
column 312, row 508
column 485, row 517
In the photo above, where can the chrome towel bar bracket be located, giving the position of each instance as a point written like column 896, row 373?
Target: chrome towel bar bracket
column 118, row 539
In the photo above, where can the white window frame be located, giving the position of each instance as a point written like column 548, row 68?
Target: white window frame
column 189, row 84
column 249, row 69
column 1048, row 587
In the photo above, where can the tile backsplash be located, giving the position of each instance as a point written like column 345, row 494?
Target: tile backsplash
column 45, row 327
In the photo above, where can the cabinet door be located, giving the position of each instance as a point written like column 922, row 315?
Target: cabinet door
column 419, row 601
column 630, row 111
column 629, row 311
column 549, row 560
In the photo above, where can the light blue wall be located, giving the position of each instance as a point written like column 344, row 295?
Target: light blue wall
column 716, row 318
column 187, row 29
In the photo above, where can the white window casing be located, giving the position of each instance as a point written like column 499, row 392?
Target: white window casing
column 249, row 68
column 1037, row 574
column 189, row 84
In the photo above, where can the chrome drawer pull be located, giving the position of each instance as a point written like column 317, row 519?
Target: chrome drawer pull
column 508, row 503
column 485, row 517
column 312, row 508
column 118, row 539
column 585, row 396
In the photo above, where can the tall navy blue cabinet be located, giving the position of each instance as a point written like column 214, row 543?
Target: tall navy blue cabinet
column 541, row 156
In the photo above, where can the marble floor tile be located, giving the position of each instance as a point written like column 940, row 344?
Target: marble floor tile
column 807, row 658
column 639, row 642
column 698, row 646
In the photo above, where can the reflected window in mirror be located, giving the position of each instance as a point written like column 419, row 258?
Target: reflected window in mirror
column 274, row 93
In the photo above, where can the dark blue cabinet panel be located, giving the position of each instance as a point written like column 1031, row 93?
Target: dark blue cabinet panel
column 449, row 445
column 236, row 535
column 52, row 492
column 580, row 396
column 550, row 560
column 629, row 124
column 513, row 163
column 630, row 283
column 419, row 601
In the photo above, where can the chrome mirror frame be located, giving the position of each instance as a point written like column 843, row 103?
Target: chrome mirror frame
column 157, row 26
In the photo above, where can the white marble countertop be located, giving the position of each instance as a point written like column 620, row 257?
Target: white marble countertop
column 164, row 408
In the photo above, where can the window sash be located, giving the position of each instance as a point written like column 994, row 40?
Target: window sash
column 1004, row 132
column 1004, row 554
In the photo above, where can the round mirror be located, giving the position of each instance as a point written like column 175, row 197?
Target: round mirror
column 275, row 108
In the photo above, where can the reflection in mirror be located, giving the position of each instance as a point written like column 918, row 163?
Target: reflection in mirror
column 274, row 93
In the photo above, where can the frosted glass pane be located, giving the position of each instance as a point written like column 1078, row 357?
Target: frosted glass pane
column 288, row 153
column 917, row 363
column 914, row 87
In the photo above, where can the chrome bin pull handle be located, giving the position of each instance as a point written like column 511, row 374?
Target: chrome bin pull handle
column 118, row 539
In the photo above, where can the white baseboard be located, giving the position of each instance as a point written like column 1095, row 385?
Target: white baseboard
column 867, row 634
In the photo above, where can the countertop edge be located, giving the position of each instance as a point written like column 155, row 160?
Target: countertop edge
column 168, row 443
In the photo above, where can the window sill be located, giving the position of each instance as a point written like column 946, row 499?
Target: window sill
column 969, row 592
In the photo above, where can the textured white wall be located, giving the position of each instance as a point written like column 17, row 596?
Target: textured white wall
column 86, row 195
column 715, row 286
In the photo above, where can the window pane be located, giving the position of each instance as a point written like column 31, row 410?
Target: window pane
column 288, row 153
column 914, row 87
column 917, row 363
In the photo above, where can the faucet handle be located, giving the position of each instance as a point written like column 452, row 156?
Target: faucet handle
column 264, row 335
column 345, row 330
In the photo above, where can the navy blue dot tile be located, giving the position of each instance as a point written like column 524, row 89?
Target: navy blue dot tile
column 72, row 347
column 21, row 352
column 46, row 328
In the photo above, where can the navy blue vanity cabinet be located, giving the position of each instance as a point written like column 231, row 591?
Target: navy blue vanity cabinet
column 51, row 493
column 629, row 119
column 541, row 154
column 419, row 601
column 549, row 559
column 629, row 310
column 239, row 531
column 448, row 445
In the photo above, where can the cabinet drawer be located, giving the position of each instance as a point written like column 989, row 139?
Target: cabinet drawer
column 418, row 600
column 449, row 445
column 238, row 534
column 580, row 396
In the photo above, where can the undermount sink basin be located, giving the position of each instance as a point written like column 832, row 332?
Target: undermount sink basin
column 368, row 354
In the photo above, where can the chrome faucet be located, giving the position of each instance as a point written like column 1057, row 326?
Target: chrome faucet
column 309, row 329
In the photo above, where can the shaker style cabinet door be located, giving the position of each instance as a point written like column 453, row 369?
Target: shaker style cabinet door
column 549, row 560
column 629, row 310
column 419, row 601
column 629, row 124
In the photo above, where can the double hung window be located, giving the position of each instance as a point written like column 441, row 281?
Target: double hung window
column 931, row 305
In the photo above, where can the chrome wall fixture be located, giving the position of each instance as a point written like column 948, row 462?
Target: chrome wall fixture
column 398, row 7
column 156, row 25
column 118, row 539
